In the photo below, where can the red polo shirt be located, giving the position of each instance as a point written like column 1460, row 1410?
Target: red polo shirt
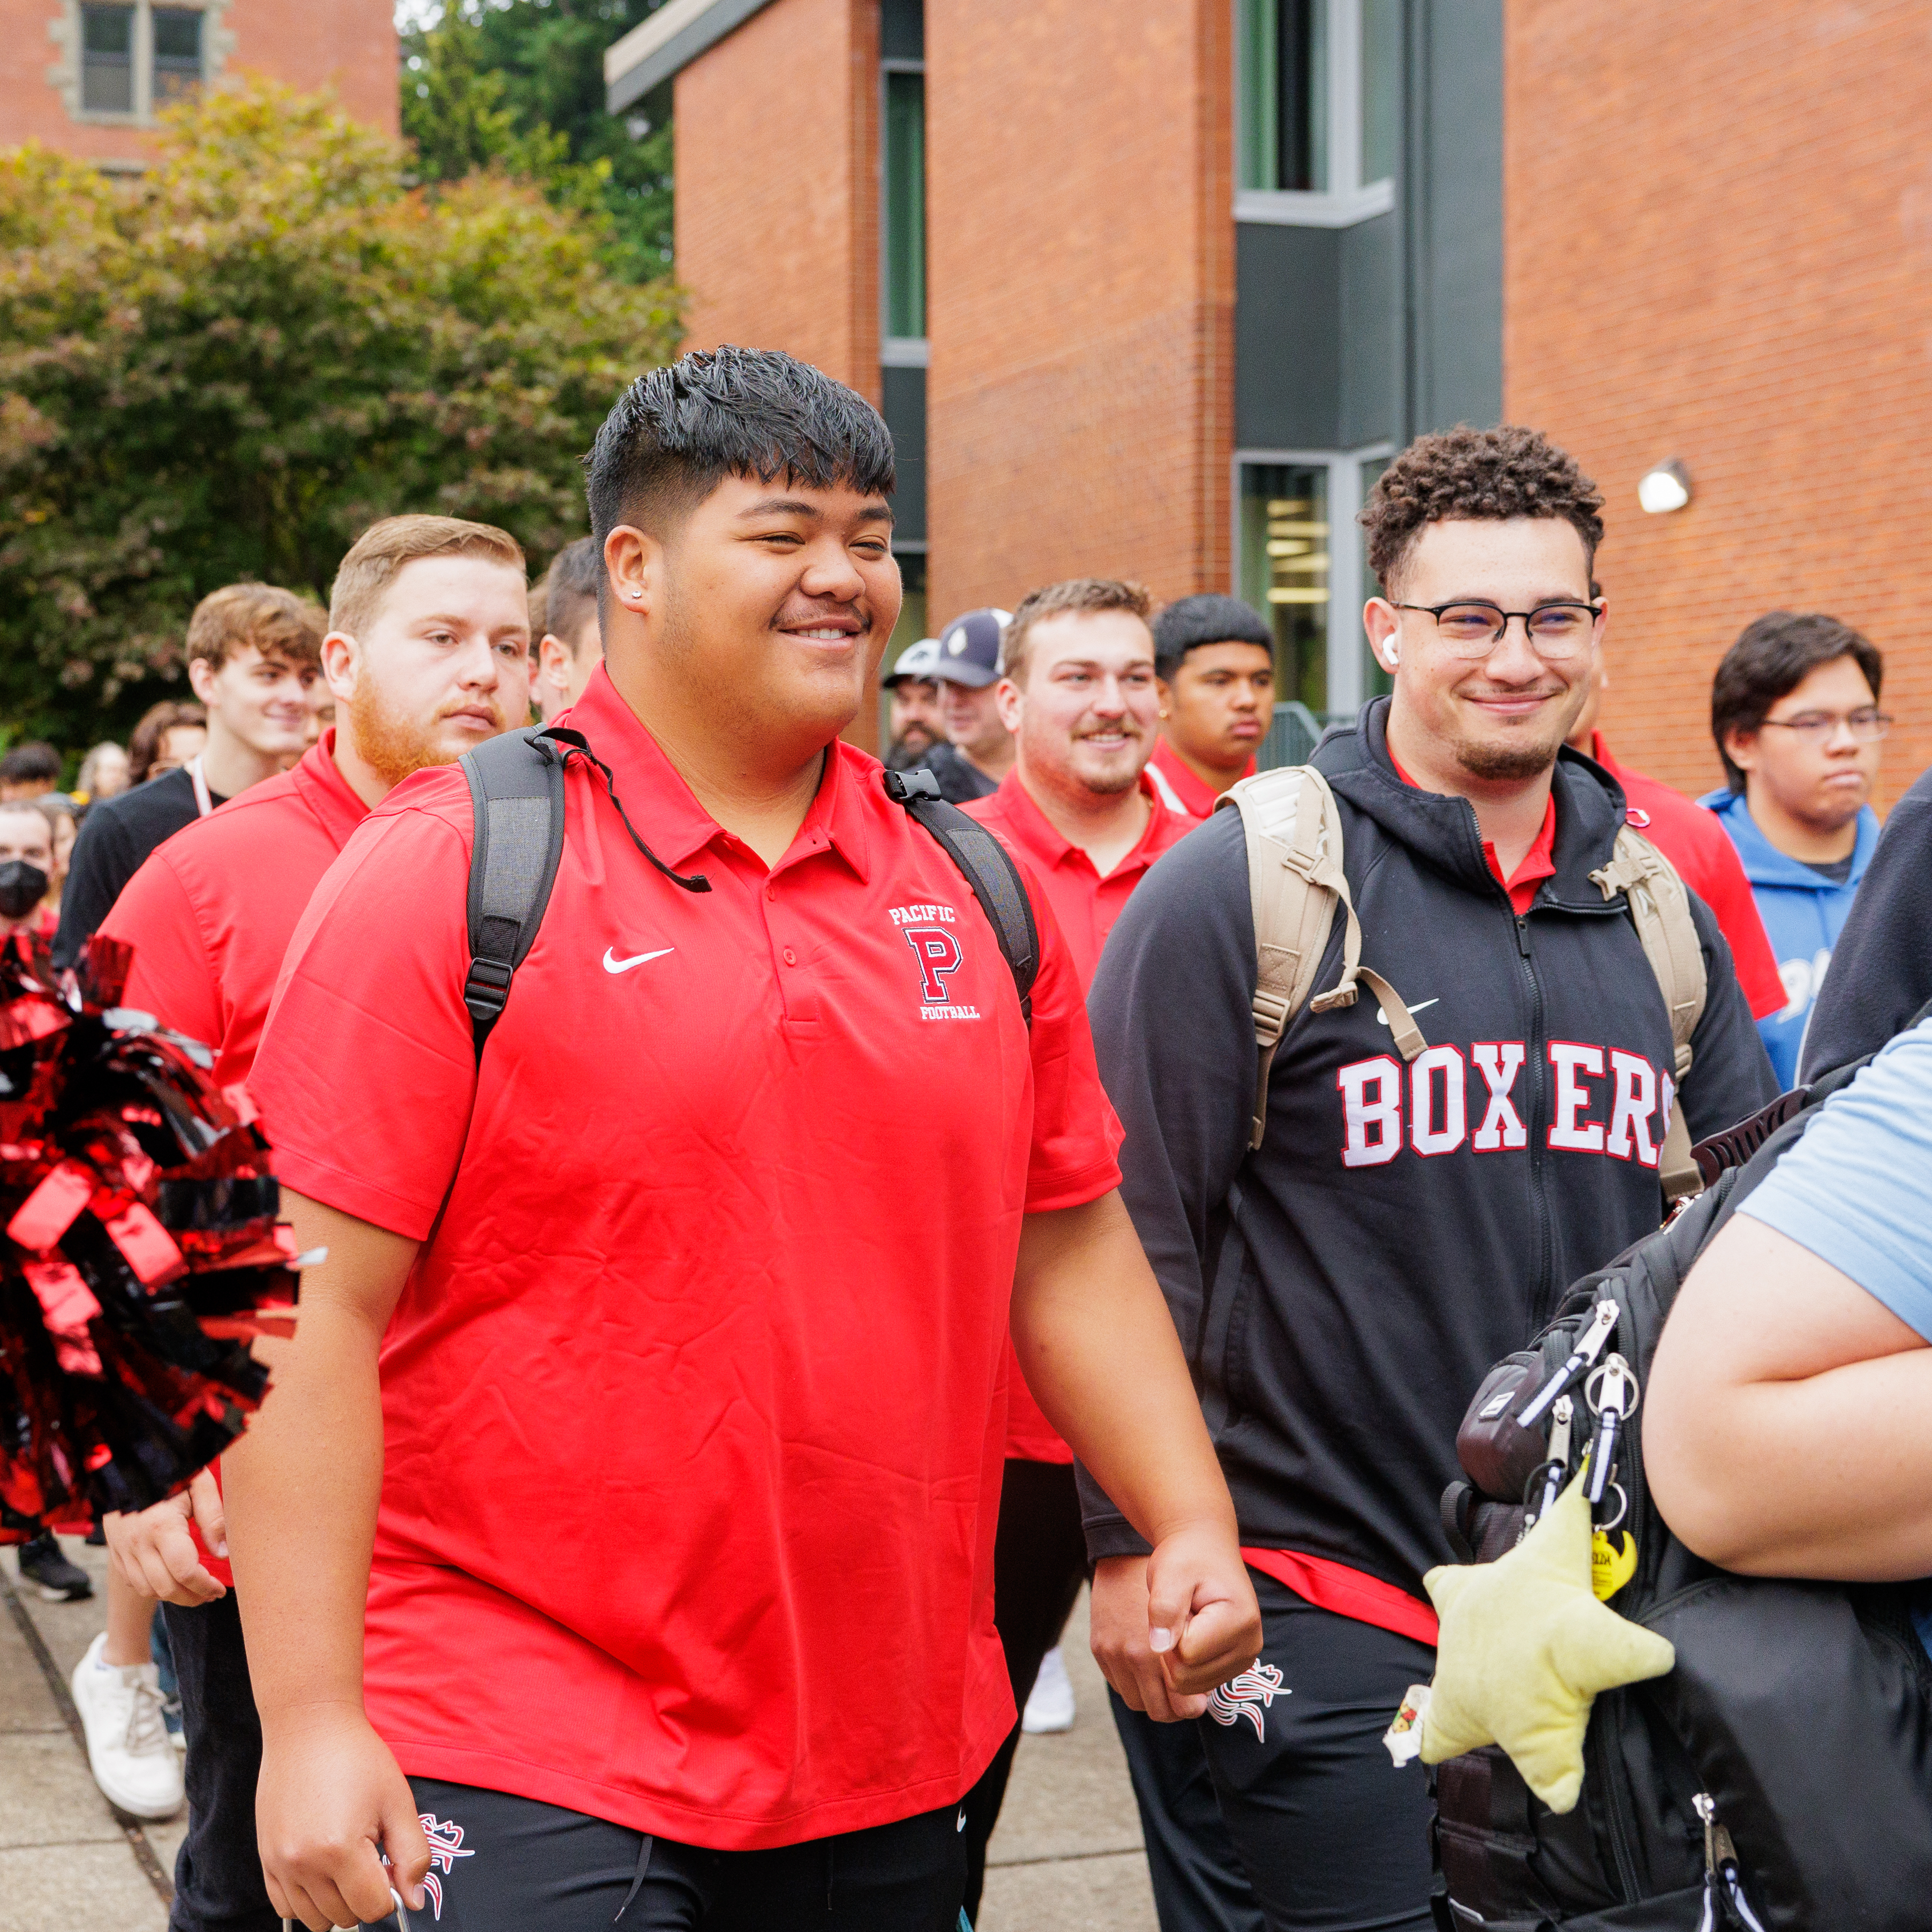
column 691, row 1438
column 1180, row 789
column 1696, row 844
column 210, row 913
column 1085, row 906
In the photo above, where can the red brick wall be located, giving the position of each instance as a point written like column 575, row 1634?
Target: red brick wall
column 1080, row 399
column 350, row 44
column 778, row 194
column 1719, row 247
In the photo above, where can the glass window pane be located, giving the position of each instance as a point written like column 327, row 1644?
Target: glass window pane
column 107, row 30
column 107, row 60
column 1381, row 87
column 1285, row 571
column 1304, row 94
column 1284, row 69
column 905, row 204
column 1260, row 100
column 177, row 51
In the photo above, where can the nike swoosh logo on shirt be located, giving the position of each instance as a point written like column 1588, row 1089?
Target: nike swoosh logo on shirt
column 1420, row 1005
column 612, row 964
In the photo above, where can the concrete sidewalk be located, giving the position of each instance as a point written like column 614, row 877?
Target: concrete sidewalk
column 1066, row 1857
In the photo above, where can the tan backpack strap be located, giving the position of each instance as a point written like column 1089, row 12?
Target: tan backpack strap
column 1293, row 831
column 1660, row 910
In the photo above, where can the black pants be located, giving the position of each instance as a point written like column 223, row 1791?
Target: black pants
column 218, row 1884
column 1333, row 1836
column 500, row 1864
column 1039, row 1561
column 1199, row 1882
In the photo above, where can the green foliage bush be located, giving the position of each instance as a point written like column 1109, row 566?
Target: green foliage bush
column 519, row 84
column 226, row 366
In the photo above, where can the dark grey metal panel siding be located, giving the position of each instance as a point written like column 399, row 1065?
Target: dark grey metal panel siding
column 1288, row 346
column 905, row 417
column 1371, row 333
column 1453, row 192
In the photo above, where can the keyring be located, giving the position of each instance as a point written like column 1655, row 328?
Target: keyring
column 1623, row 1506
column 1633, row 1395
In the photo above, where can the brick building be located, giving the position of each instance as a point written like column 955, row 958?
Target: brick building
column 87, row 78
column 1154, row 289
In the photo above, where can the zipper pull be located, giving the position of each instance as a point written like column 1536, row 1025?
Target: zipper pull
column 1589, row 1346
column 1522, row 936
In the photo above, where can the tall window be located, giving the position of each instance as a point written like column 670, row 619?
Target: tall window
column 1299, row 557
column 177, row 52
column 1285, row 571
column 904, row 165
column 107, row 59
column 1321, row 95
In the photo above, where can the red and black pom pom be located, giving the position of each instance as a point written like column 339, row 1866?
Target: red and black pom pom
column 141, row 1252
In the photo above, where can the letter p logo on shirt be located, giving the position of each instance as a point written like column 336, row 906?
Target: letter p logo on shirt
column 938, row 954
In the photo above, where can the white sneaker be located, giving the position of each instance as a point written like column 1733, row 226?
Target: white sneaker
column 1051, row 1706
column 127, row 1748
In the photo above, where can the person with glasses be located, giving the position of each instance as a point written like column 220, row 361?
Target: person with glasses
column 1414, row 1208
column 1794, row 710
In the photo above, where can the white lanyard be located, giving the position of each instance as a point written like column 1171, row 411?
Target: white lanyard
column 204, row 799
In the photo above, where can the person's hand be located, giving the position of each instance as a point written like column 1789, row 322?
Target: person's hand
column 155, row 1553
column 1168, row 1628
column 329, row 1802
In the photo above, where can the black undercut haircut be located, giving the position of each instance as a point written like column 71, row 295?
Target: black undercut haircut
column 676, row 433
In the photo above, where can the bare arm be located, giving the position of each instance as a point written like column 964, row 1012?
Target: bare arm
column 1098, row 1348
column 1783, row 1428
column 302, row 1488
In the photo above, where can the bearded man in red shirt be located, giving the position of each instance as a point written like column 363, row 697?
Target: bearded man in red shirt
column 426, row 655
column 618, row 1538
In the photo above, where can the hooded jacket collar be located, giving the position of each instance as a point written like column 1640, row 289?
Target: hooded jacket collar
column 1765, row 864
column 1442, row 831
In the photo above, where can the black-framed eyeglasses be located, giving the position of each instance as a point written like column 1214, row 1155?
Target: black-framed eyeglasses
column 1868, row 725
column 1472, row 630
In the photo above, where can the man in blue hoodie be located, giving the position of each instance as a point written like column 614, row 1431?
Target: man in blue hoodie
column 1794, row 710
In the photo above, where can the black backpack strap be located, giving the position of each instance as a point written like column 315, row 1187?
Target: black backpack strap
column 988, row 868
column 516, row 790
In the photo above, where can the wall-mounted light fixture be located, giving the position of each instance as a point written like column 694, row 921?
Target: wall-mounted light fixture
column 1664, row 488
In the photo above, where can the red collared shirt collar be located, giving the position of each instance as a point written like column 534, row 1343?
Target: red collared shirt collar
column 1195, row 797
column 1538, row 863
column 1045, row 844
column 671, row 820
column 318, row 778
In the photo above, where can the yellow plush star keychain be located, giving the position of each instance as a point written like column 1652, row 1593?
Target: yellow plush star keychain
column 1525, row 1648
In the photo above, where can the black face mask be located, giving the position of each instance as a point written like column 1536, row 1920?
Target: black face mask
column 23, row 886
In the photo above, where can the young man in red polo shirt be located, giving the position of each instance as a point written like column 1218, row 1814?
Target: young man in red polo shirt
column 1077, row 691
column 680, row 1470
column 426, row 655
column 1215, row 659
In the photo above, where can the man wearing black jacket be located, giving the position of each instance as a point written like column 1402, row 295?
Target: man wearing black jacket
column 1342, row 1290
column 1881, row 970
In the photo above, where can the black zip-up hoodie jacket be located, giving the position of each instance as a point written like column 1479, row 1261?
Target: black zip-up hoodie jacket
column 1341, row 1290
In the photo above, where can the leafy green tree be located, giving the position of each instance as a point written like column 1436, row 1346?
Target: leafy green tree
column 229, row 366
column 519, row 84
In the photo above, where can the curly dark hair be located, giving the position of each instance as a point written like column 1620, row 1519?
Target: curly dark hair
column 1485, row 474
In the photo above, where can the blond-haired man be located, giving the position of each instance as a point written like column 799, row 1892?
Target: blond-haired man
column 426, row 655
